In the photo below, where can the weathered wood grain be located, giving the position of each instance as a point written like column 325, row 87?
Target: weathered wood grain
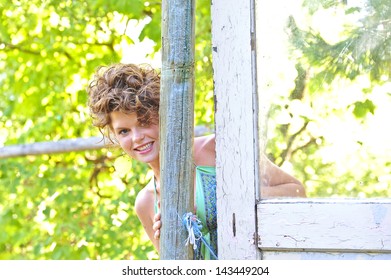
column 176, row 125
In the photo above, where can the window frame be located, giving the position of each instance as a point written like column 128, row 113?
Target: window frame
column 254, row 228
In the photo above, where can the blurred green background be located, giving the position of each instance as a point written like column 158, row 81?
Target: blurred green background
column 79, row 205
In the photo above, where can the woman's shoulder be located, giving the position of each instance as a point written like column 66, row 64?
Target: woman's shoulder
column 205, row 142
column 205, row 150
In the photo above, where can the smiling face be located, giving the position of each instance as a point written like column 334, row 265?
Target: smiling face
column 139, row 141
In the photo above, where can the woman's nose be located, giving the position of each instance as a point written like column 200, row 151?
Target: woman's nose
column 138, row 136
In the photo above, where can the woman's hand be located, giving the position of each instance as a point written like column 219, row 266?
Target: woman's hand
column 157, row 224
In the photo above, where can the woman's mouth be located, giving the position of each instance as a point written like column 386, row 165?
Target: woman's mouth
column 144, row 148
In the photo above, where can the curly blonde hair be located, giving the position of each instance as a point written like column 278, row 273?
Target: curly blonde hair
column 127, row 88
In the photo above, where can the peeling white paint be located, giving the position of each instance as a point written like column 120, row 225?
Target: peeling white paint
column 339, row 226
column 232, row 63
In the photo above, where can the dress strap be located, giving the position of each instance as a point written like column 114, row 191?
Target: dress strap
column 156, row 208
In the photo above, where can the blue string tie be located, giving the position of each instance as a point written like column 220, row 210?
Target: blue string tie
column 193, row 226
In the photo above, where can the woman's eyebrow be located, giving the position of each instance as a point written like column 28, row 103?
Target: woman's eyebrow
column 120, row 128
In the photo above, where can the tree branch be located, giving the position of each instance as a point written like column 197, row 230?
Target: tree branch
column 68, row 145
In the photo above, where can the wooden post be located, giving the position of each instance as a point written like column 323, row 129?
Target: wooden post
column 236, row 127
column 176, row 126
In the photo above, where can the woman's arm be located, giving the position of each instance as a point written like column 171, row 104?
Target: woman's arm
column 144, row 207
column 277, row 183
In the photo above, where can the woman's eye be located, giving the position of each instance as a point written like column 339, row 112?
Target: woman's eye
column 123, row 131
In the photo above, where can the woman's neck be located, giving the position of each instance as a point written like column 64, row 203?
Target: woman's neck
column 156, row 171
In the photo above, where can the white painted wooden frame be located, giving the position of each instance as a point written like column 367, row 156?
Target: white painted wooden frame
column 284, row 228
column 325, row 228
column 236, row 159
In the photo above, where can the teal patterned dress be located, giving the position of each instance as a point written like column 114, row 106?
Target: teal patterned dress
column 206, row 210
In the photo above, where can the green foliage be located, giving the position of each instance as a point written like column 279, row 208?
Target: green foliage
column 58, row 210
column 364, row 48
column 361, row 109
column 75, row 205
column 326, row 128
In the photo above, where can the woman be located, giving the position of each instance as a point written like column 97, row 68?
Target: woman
column 124, row 104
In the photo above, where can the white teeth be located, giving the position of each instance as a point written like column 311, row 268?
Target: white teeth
column 145, row 147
